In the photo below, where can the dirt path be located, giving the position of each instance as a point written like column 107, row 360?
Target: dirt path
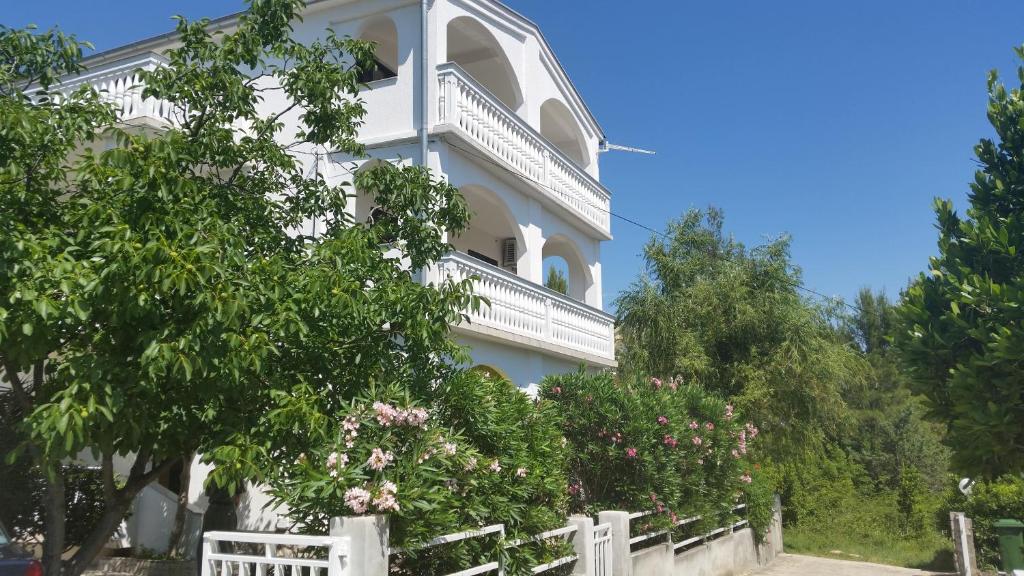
column 796, row 565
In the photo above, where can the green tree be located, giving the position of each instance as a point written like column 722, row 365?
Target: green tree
column 157, row 297
column 961, row 333
column 556, row 281
column 888, row 431
column 711, row 311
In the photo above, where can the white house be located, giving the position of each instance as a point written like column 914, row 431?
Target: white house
column 473, row 90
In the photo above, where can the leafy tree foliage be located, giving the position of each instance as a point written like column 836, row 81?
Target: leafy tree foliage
column 159, row 296
column 960, row 328
column 713, row 312
column 556, row 280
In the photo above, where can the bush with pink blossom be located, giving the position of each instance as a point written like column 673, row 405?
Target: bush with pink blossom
column 648, row 444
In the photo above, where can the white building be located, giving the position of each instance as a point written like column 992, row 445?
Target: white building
column 505, row 124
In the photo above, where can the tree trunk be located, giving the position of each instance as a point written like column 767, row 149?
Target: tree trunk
column 176, row 548
column 115, row 510
column 54, row 509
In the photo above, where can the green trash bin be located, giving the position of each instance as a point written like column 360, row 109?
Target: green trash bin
column 1011, row 544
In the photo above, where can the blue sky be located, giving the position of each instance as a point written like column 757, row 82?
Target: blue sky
column 834, row 122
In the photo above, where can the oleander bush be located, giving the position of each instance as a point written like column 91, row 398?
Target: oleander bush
column 646, row 444
column 477, row 452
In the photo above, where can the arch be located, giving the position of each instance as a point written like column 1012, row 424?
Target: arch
column 559, row 127
column 382, row 31
column 491, row 223
column 363, row 204
column 489, row 371
column 579, row 277
column 476, row 50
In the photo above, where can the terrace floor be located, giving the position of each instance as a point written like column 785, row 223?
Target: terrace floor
column 797, row 565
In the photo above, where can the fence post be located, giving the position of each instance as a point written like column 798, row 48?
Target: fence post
column 209, row 547
column 583, row 545
column 622, row 560
column 368, row 543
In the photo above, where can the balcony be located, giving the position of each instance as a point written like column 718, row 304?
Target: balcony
column 469, row 109
column 119, row 83
column 532, row 315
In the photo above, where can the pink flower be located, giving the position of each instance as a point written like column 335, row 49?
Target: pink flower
column 728, row 411
column 470, row 464
column 574, row 488
column 379, row 459
column 590, row 398
column 694, row 425
column 520, row 472
column 450, row 448
column 697, row 441
column 350, row 424
column 385, row 500
column 416, row 416
column 631, row 453
column 556, row 390
column 357, row 499
column 700, row 461
column 662, row 420
column 669, row 441
column 752, row 430
column 332, row 463
column 709, row 425
column 742, row 443
column 746, row 479
column 657, row 383
column 674, row 517
column 660, row 507
column 735, row 453
column 495, row 466
column 653, row 497
column 386, row 413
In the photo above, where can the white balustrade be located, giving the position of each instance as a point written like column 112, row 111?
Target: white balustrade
column 119, row 82
column 526, row 309
column 467, row 106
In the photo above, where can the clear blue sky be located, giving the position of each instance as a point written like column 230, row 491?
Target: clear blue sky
column 835, row 122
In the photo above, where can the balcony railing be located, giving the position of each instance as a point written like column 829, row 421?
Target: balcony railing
column 522, row 308
column 469, row 107
column 118, row 82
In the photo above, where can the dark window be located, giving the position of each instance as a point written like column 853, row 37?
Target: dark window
column 483, row 258
column 377, row 71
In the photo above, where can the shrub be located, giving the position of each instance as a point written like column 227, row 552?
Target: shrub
column 643, row 444
column 988, row 502
column 480, row 452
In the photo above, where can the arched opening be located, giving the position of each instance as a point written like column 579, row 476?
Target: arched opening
column 365, row 209
column 476, row 50
column 383, row 33
column 489, row 372
column 493, row 235
column 556, row 274
column 559, row 127
column 561, row 254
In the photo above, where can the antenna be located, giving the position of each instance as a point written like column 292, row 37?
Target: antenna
column 607, row 146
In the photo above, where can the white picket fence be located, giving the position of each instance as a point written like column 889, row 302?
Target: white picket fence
column 226, row 554
column 604, row 549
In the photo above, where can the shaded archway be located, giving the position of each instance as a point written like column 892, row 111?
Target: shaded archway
column 382, row 31
column 489, row 372
column 578, row 278
column 559, row 127
column 493, row 236
column 476, row 50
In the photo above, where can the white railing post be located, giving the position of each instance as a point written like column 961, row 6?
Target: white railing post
column 622, row 561
column 337, row 549
column 368, row 543
column 583, row 545
column 209, row 547
column 548, row 328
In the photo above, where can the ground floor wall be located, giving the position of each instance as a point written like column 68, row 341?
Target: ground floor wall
column 524, row 367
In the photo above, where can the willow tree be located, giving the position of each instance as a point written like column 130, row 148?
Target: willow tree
column 961, row 322
column 711, row 311
column 158, row 295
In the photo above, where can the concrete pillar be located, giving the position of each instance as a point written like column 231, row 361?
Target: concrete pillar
column 531, row 262
column 622, row 561
column 583, row 545
column 368, row 540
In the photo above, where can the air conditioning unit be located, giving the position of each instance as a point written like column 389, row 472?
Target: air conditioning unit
column 509, row 256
